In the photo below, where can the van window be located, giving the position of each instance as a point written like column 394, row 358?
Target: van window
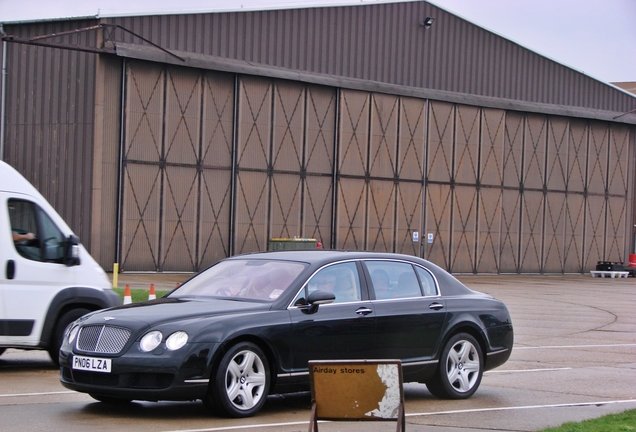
column 35, row 235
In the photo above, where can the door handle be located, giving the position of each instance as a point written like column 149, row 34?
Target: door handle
column 364, row 311
column 436, row 306
column 10, row 273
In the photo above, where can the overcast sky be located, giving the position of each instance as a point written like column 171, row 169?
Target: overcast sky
column 596, row 37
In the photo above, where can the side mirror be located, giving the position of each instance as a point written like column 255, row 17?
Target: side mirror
column 71, row 251
column 316, row 299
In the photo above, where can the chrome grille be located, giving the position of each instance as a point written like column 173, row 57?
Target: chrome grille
column 102, row 339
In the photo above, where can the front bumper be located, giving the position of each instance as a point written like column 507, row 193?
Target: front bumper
column 135, row 375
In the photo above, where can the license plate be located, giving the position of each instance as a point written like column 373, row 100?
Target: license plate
column 91, row 364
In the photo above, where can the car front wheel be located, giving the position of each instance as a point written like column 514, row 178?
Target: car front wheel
column 460, row 369
column 241, row 382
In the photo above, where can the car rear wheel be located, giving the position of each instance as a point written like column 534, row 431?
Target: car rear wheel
column 460, row 368
column 241, row 382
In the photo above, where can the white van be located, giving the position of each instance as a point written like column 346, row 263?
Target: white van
column 47, row 279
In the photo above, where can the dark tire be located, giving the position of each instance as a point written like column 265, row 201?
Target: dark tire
column 460, row 369
column 110, row 400
column 241, row 382
column 58, row 333
column 2, row 350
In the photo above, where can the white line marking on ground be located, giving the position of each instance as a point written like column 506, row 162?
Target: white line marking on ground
column 37, row 394
column 527, row 370
column 563, row 405
column 574, row 346
column 258, row 426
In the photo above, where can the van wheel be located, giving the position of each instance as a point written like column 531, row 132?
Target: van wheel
column 58, row 333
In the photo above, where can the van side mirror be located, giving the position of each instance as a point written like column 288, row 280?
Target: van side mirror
column 71, row 251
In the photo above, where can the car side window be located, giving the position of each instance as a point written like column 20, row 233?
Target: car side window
column 393, row 279
column 35, row 235
column 427, row 281
column 340, row 279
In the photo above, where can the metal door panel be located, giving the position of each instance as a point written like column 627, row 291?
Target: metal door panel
column 464, row 219
column 351, row 214
column 510, row 214
column 577, row 156
column 554, row 232
column 180, row 208
column 285, row 206
column 410, row 161
column 618, row 178
column 144, row 111
column 214, row 219
column 594, row 232
column 556, row 174
column 440, row 142
column 182, row 116
column 574, row 239
column 467, row 144
column 492, row 147
column 438, row 216
column 354, row 132
column 288, row 125
column 254, row 123
column 597, row 158
column 251, row 212
column 320, row 129
column 513, row 149
column 384, row 135
column 140, row 218
column 217, row 124
column 531, row 231
column 381, row 223
column 317, row 208
column 534, row 151
column 488, row 230
column 409, row 217
column 615, row 229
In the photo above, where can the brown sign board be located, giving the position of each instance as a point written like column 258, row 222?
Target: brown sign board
column 356, row 390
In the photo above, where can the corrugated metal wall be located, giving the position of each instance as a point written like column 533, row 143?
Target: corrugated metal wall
column 382, row 43
column 499, row 191
column 49, row 120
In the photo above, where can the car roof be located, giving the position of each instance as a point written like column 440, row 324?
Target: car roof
column 319, row 257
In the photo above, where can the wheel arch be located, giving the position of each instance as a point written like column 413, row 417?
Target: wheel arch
column 472, row 329
column 73, row 298
column 272, row 358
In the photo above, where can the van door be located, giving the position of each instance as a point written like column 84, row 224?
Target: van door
column 33, row 272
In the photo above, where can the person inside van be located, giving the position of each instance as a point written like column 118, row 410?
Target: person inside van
column 23, row 237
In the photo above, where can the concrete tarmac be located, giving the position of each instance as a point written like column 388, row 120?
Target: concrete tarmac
column 574, row 358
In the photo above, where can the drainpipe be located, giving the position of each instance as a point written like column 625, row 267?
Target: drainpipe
column 3, row 95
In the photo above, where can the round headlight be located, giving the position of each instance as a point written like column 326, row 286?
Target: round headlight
column 176, row 340
column 72, row 333
column 150, row 341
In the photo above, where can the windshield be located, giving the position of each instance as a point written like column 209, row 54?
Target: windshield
column 251, row 279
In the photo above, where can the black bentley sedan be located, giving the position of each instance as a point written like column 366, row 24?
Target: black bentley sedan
column 248, row 326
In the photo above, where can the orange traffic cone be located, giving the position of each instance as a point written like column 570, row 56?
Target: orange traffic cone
column 127, row 297
column 152, row 295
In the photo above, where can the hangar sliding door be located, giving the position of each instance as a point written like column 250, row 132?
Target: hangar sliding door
column 176, row 168
column 216, row 164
